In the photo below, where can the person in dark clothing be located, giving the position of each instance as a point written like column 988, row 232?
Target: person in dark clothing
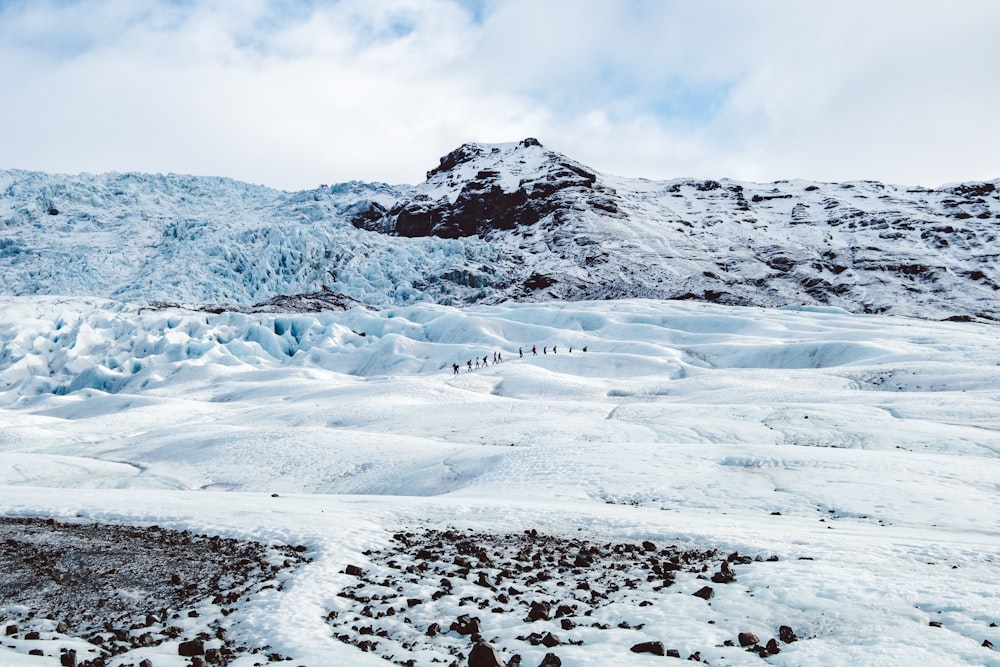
column 455, row 368
column 534, row 350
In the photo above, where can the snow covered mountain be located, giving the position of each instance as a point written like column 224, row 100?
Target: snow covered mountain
column 503, row 222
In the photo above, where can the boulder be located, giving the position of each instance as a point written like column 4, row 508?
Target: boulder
column 550, row 660
column 656, row 648
column 466, row 625
column 540, row 611
column 786, row 634
column 191, row 648
column 705, row 593
column 485, row 655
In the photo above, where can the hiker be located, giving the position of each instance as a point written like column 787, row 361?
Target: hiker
column 470, row 365
column 520, row 353
column 499, row 357
column 455, row 368
column 484, row 361
column 584, row 348
column 553, row 349
column 494, row 357
column 477, row 362
column 545, row 350
column 534, row 350
column 571, row 350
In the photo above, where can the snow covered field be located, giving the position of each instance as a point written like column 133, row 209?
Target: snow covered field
column 862, row 452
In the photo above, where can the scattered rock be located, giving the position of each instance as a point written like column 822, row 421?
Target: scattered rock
column 656, row 648
column 539, row 611
column 748, row 639
column 466, row 625
column 485, row 655
column 786, row 634
column 725, row 575
column 191, row 648
column 550, row 660
column 705, row 593
column 534, row 578
column 547, row 639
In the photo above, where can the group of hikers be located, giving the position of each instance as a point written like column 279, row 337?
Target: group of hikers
column 498, row 357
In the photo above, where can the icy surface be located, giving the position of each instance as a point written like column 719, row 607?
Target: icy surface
column 860, row 246
column 863, row 452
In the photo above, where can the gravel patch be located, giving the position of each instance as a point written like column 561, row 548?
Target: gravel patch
column 96, row 594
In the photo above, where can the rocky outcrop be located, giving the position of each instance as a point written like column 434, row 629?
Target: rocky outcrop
column 485, row 199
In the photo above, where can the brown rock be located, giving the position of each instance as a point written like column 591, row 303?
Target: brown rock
column 705, row 593
column 484, row 655
column 656, row 648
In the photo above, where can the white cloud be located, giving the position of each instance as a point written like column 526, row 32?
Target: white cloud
column 293, row 94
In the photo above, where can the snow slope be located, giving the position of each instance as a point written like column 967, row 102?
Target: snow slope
column 862, row 452
column 502, row 222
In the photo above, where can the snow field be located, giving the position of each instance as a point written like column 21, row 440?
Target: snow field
column 868, row 445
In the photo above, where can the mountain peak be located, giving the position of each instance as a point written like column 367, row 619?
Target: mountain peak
column 469, row 152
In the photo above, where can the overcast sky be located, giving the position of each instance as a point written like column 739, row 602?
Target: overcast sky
column 295, row 93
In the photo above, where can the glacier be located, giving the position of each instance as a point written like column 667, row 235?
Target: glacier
column 501, row 222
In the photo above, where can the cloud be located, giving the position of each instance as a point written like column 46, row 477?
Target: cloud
column 295, row 93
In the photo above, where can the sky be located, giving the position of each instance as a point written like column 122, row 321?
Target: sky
column 298, row 93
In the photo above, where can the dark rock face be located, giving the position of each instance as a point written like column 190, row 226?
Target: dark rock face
column 485, row 204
